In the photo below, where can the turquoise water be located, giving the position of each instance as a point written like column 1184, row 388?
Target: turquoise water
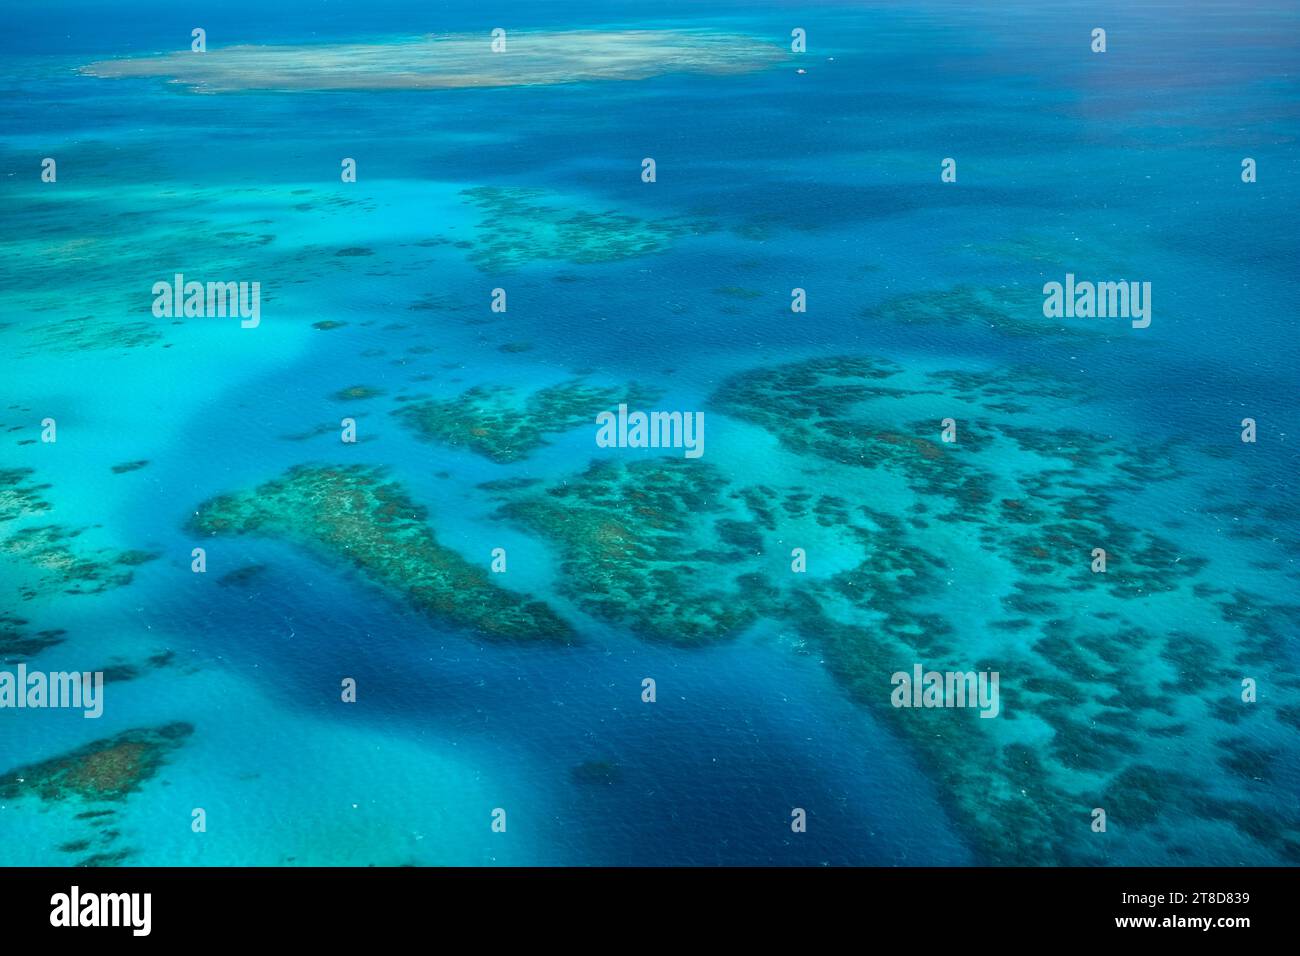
column 1120, row 692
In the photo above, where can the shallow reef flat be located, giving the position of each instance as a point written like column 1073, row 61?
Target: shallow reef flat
column 356, row 516
column 519, row 225
column 123, row 231
column 48, row 551
column 19, row 497
column 128, row 229
column 646, row 545
column 506, row 425
column 87, row 334
column 535, row 58
column 49, row 557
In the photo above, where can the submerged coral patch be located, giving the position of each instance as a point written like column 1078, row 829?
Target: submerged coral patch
column 1004, row 310
column 636, row 545
column 48, row 551
column 521, row 225
column 109, row 769
column 18, row 643
column 79, row 335
column 51, row 556
column 357, row 393
column 680, row 553
column 503, row 424
column 19, row 498
column 1037, row 501
column 356, row 516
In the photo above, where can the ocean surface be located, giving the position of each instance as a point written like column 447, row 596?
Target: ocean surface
column 1163, row 691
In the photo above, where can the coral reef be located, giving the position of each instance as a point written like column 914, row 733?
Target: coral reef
column 500, row 423
column 357, row 393
column 50, row 556
column 356, row 516
column 636, row 547
column 520, row 225
column 105, row 770
column 973, row 555
column 18, row 644
column 1005, row 310
column 453, row 61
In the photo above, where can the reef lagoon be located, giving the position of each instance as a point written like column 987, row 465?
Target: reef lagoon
column 360, row 576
